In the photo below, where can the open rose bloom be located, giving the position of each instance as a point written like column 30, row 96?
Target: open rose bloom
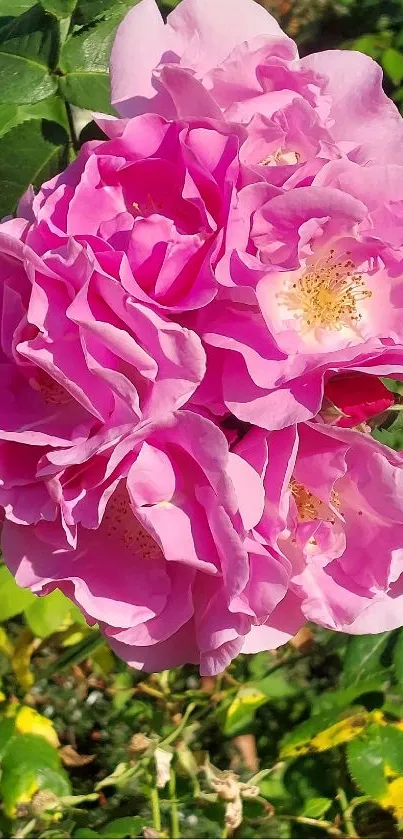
column 195, row 320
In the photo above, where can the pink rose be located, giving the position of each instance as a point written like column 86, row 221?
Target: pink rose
column 333, row 508
column 79, row 362
column 163, row 556
column 231, row 59
column 150, row 206
column 314, row 287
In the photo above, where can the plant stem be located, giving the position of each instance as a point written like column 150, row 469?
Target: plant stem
column 175, row 827
column 73, row 134
column 347, row 816
column 142, row 687
column 320, row 823
column 155, row 808
column 177, row 731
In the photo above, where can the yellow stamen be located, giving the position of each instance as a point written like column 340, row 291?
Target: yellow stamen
column 310, row 507
column 327, row 295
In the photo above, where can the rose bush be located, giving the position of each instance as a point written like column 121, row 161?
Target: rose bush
column 190, row 312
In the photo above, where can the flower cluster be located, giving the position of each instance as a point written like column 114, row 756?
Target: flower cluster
column 195, row 319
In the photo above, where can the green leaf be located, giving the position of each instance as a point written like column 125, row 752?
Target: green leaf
column 252, row 696
column 120, row 828
column 363, row 657
column 29, row 154
column 88, row 11
column 398, row 658
column 393, row 385
column 241, row 710
column 51, row 109
column 316, row 808
column 392, row 438
column 75, row 655
column 48, row 614
column 59, row 8
column 299, row 739
column 30, row 763
column 392, row 63
column 13, row 599
column 122, row 687
column 333, row 699
column 7, row 731
column 85, row 833
column 13, row 8
column 372, row 756
column 28, row 51
column 84, row 62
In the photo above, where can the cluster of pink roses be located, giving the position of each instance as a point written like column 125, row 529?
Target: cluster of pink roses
column 195, row 317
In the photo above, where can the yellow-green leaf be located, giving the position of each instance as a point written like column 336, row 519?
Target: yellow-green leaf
column 241, row 709
column 13, row 599
column 28, row 721
column 24, row 648
column 30, row 764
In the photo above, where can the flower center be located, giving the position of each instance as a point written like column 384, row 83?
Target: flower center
column 328, row 294
column 282, row 157
column 122, row 525
column 310, row 507
column 52, row 392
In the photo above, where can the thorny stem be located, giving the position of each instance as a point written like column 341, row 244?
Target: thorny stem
column 175, row 827
column 347, row 813
column 155, row 809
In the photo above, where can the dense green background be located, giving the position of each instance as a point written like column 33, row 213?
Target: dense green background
column 313, row 734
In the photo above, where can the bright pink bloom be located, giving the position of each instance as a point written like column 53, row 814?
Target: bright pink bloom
column 314, row 287
column 150, row 206
column 232, row 59
column 163, row 557
column 80, row 360
column 333, row 508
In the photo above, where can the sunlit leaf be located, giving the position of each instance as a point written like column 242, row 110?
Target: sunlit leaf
column 28, row 721
column 375, row 760
column 30, row 764
column 393, row 800
column 28, row 52
column 24, row 648
column 48, row 614
column 13, row 599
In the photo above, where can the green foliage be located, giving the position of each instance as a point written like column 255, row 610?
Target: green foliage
column 13, row 599
column 54, row 57
column 364, row 657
